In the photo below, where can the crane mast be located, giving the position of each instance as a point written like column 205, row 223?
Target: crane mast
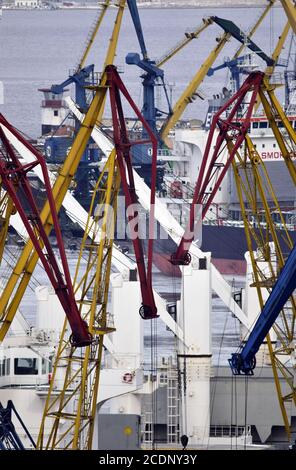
column 72, row 399
column 202, row 194
column 213, row 169
column 76, row 400
column 15, row 181
column 290, row 11
column 267, row 248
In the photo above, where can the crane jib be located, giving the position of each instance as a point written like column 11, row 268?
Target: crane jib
column 230, row 27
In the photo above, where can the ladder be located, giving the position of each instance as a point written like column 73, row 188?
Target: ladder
column 173, row 413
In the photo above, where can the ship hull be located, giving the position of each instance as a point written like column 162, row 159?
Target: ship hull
column 226, row 244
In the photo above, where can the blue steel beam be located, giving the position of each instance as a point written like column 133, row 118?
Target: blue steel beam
column 132, row 5
column 244, row 362
column 230, row 27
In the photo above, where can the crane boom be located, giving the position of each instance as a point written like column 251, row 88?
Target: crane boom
column 212, row 171
column 244, row 361
column 231, row 30
column 15, row 180
column 255, row 27
column 230, row 27
column 132, row 5
column 123, row 147
column 6, row 210
column 188, row 94
column 92, row 34
column 290, row 11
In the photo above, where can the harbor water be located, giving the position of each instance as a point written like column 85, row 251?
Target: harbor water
column 39, row 47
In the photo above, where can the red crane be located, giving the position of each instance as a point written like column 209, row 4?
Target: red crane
column 123, row 146
column 15, row 181
column 212, row 171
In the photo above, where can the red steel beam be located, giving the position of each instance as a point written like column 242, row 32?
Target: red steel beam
column 15, row 181
column 123, row 148
column 230, row 129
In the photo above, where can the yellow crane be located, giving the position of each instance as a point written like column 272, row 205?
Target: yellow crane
column 191, row 91
column 93, row 33
column 6, row 210
column 189, row 36
column 290, row 11
column 71, row 403
column 18, row 281
column 258, row 202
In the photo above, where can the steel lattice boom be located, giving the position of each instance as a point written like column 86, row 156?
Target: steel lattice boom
column 212, row 170
column 15, row 181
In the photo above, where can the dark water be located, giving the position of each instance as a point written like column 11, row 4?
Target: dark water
column 38, row 48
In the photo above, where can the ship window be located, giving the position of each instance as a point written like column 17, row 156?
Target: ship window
column 2, row 369
column 25, row 366
column 263, row 125
column 263, row 146
column 56, row 113
column 255, row 125
column 274, row 146
column 50, row 364
column 7, row 367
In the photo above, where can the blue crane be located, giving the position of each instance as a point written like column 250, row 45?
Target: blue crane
column 151, row 78
column 81, row 79
column 9, row 439
column 244, row 362
column 87, row 172
column 236, row 66
column 152, row 74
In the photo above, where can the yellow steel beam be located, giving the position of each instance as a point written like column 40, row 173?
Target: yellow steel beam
column 278, row 49
column 180, row 45
column 103, row 8
column 275, row 56
column 275, row 113
column 289, row 8
column 253, row 185
column 188, row 94
column 82, row 371
column 6, row 210
column 255, row 27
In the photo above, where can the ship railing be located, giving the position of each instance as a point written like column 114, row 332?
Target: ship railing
column 238, row 223
column 230, row 431
column 164, row 153
column 276, row 77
